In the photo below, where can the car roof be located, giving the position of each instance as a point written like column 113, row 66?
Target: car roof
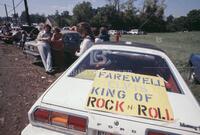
column 68, row 31
column 133, row 44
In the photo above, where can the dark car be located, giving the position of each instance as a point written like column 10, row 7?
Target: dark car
column 31, row 31
column 71, row 41
column 194, row 63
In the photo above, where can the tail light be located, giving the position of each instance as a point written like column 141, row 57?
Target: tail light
column 60, row 119
column 154, row 132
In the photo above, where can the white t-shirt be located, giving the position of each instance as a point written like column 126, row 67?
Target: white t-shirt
column 43, row 34
column 98, row 40
column 85, row 44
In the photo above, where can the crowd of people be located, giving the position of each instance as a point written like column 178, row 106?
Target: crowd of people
column 50, row 44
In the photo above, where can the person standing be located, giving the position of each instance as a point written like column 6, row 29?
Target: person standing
column 97, row 36
column 23, row 39
column 88, row 38
column 44, row 38
column 57, row 48
column 104, row 34
column 117, row 36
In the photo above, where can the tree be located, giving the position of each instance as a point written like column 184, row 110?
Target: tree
column 37, row 18
column 152, row 16
column 23, row 16
column 34, row 18
column 193, row 18
column 128, row 8
column 170, row 26
column 115, row 4
column 62, row 19
column 170, row 19
column 130, row 17
column 83, row 12
column 107, row 16
column 65, row 14
column 181, row 23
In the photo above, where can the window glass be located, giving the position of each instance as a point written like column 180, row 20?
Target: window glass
column 125, row 62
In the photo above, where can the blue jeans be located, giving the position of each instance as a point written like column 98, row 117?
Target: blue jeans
column 45, row 53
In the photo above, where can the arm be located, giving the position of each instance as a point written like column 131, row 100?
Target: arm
column 53, row 37
column 46, row 39
column 61, row 39
column 39, row 36
column 84, row 45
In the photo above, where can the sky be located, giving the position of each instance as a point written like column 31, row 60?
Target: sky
column 175, row 7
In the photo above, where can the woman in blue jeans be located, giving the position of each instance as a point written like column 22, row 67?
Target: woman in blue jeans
column 44, row 38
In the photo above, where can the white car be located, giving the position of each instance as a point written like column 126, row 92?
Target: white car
column 91, row 98
column 134, row 32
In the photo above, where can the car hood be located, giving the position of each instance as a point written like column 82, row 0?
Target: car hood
column 72, row 93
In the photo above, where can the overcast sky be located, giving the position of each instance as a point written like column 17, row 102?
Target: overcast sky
column 174, row 7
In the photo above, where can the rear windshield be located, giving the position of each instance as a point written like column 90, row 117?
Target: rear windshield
column 71, row 38
column 125, row 62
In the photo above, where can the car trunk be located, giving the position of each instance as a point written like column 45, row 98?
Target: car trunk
column 74, row 94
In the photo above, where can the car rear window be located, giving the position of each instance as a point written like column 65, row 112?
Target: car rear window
column 125, row 62
column 71, row 39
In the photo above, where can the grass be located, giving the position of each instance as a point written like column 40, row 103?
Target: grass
column 178, row 46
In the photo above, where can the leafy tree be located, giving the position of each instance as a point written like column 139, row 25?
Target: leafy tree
column 115, row 4
column 102, row 16
column 83, row 12
column 181, row 23
column 170, row 19
column 65, row 14
column 23, row 16
column 170, row 26
column 35, row 18
column 152, row 16
column 122, row 14
column 130, row 18
column 193, row 18
column 62, row 19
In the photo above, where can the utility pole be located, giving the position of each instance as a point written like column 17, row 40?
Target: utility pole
column 14, row 15
column 14, row 6
column 27, row 13
column 6, row 12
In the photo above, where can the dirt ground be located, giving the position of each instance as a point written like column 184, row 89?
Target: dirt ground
column 21, row 83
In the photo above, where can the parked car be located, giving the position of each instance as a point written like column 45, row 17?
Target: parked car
column 136, row 32
column 115, row 89
column 71, row 41
column 66, row 28
column 123, row 32
column 12, row 36
column 194, row 63
column 32, row 31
